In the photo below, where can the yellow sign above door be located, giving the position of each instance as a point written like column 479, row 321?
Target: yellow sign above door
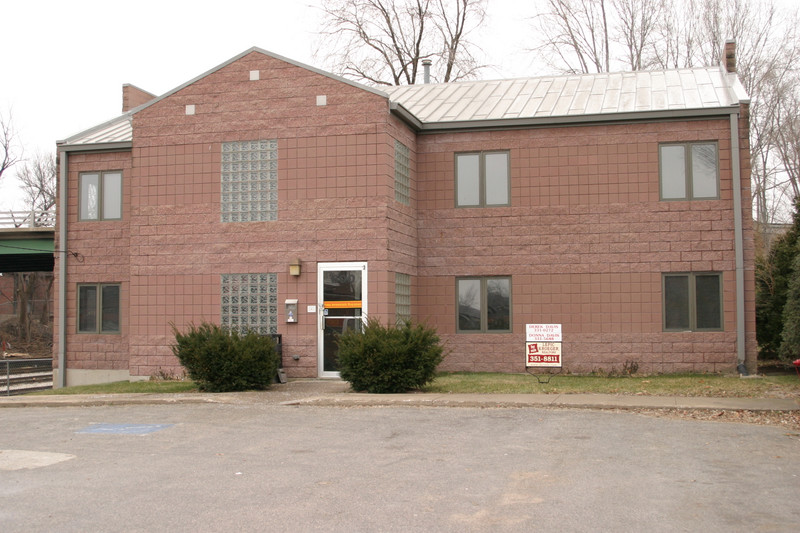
column 343, row 304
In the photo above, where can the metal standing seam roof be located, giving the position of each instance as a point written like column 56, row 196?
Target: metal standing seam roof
column 473, row 103
column 575, row 96
column 118, row 130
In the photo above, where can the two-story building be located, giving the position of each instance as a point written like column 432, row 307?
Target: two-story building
column 271, row 195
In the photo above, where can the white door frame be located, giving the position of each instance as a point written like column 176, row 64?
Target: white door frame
column 321, row 269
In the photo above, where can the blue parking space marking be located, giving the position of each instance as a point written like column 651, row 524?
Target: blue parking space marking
column 124, row 429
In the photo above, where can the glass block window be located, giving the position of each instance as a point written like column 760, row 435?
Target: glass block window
column 249, row 181
column 250, row 302
column 402, row 297
column 402, row 173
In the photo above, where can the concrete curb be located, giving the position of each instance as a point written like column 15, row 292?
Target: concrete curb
column 582, row 401
column 350, row 399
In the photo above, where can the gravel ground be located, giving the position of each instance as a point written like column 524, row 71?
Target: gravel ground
column 786, row 419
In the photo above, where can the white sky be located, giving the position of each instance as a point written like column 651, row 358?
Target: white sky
column 65, row 62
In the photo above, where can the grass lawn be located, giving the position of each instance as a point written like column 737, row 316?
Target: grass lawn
column 127, row 387
column 712, row 385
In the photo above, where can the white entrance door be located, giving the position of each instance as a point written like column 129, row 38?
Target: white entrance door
column 342, row 306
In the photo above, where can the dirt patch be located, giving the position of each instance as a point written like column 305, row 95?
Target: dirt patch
column 40, row 345
column 785, row 419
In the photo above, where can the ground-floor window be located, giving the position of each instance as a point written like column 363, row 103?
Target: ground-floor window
column 98, row 308
column 250, row 302
column 692, row 301
column 484, row 304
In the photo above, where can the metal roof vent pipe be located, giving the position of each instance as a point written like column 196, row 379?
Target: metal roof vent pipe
column 426, row 66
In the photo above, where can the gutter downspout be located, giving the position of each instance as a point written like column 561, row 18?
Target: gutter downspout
column 738, row 243
column 62, row 270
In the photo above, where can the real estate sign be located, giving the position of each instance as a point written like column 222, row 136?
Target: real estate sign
column 543, row 345
column 543, row 332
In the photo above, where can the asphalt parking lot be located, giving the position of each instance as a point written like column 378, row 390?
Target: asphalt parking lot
column 271, row 467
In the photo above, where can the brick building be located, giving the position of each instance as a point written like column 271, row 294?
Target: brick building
column 269, row 194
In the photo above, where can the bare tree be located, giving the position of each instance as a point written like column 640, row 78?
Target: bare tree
column 594, row 35
column 37, row 179
column 576, row 34
column 383, row 42
column 638, row 20
column 676, row 36
column 10, row 152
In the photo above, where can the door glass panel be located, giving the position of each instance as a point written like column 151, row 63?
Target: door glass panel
column 342, row 311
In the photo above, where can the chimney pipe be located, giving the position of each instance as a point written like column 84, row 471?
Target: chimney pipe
column 426, row 65
column 730, row 56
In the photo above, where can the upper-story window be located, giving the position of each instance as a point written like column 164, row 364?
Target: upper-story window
column 249, row 181
column 482, row 179
column 100, row 195
column 689, row 171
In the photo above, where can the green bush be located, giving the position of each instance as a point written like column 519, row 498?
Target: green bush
column 389, row 359
column 773, row 274
column 790, row 344
column 219, row 360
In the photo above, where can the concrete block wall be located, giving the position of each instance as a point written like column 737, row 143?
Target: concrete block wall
column 335, row 181
column 585, row 242
column 101, row 255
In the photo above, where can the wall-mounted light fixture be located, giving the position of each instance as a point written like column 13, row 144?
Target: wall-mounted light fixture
column 294, row 267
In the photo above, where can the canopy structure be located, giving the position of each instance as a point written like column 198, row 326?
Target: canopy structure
column 26, row 252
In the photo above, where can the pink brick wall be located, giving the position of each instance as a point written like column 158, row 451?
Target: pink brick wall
column 585, row 243
column 585, row 240
column 103, row 249
column 336, row 178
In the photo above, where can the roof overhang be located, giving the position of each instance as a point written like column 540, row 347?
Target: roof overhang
column 559, row 121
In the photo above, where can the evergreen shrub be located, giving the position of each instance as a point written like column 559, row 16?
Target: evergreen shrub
column 221, row 360
column 389, row 359
column 790, row 344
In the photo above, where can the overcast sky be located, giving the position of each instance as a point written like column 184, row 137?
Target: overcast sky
column 65, row 62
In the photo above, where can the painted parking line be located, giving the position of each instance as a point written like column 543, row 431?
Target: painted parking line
column 29, row 459
column 124, row 429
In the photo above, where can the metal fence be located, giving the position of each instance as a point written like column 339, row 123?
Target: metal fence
column 18, row 376
column 27, row 219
